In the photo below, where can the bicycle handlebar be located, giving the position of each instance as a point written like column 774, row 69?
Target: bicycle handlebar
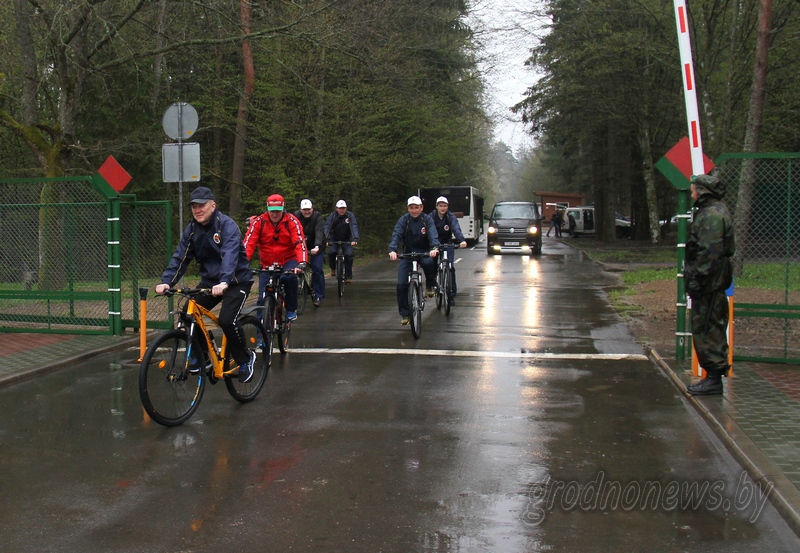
column 169, row 292
column 413, row 255
column 277, row 268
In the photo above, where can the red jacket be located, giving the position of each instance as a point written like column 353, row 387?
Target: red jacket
column 290, row 243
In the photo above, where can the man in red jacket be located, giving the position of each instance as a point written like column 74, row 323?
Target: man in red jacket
column 278, row 237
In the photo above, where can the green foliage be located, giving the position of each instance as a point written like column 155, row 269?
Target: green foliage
column 611, row 74
column 353, row 99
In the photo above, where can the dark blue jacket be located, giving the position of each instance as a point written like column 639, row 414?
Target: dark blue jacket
column 447, row 226
column 341, row 228
column 416, row 235
column 217, row 247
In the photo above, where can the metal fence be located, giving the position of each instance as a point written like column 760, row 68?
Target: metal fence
column 74, row 254
column 764, row 198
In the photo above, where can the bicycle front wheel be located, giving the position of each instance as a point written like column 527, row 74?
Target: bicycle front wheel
column 440, row 286
column 415, row 306
column 446, row 291
column 282, row 328
column 255, row 340
column 170, row 393
column 302, row 292
column 340, row 275
column 270, row 323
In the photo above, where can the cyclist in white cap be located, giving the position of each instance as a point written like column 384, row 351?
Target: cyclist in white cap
column 314, row 229
column 413, row 233
column 341, row 226
column 447, row 226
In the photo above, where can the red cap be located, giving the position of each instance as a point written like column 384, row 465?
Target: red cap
column 275, row 203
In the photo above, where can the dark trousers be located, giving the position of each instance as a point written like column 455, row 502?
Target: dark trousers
column 709, row 332
column 289, row 282
column 347, row 249
column 317, row 274
column 232, row 303
column 428, row 265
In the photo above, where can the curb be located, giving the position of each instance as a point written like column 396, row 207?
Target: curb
column 784, row 495
column 28, row 374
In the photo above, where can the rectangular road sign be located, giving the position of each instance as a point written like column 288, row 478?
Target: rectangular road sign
column 180, row 162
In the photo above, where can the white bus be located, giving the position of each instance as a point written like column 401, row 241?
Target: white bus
column 465, row 202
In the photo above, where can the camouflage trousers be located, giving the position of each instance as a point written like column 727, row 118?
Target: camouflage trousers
column 709, row 332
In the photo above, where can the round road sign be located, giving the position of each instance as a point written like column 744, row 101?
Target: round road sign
column 180, row 121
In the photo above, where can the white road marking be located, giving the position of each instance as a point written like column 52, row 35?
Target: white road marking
column 493, row 354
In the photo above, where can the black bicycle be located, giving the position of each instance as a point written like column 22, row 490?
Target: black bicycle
column 416, row 292
column 444, row 278
column 274, row 310
column 339, row 271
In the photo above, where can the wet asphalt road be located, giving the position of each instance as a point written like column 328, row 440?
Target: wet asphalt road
column 526, row 421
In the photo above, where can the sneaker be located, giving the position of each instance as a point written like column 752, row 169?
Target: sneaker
column 291, row 315
column 405, row 320
column 429, row 293
column 246, row 369
column 317, row 302
column 195, row 366
column 348, row 281
column 333, row 274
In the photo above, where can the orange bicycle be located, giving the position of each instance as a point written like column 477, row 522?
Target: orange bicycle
column 179, row 362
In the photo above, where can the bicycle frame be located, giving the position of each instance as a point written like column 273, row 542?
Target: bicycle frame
column 415, row 275
column 340, row 262
column 274, row 288
column 415, row 292
column 193, row 318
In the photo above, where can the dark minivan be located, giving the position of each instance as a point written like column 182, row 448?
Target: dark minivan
column 514, row 226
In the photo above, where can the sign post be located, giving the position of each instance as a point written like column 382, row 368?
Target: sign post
column 179, row 160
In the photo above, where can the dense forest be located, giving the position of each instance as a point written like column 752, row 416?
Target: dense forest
column 368, row 100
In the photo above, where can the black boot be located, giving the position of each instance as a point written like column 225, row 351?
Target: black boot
column 709, row 386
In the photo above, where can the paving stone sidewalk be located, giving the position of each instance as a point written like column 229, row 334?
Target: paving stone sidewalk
column 758, row 420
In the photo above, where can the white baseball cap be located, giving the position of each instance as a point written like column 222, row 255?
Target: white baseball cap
column 442, row 199
column 415, row 200
column 305, row 204
column 341, row 203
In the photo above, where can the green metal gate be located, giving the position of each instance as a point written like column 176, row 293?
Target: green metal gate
column 74, row 254
column 764, row 198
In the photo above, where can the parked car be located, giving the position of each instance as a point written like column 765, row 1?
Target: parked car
column 514, row 226
column 584, row 222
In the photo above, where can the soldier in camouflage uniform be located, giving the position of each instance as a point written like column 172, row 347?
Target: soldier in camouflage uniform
column 708, row 274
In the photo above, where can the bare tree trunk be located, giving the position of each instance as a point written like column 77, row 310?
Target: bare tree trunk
column 605, row 229
column 648, row 174
column 240, row 140
column 158, row 60
column 753, row 134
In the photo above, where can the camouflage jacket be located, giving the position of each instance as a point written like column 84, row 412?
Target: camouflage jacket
column 709, row 247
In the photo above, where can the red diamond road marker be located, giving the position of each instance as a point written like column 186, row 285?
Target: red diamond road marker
column 681, row 157
column 117, row 177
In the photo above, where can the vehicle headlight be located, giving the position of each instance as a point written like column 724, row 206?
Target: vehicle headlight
column 533, row 230
column 491, row 230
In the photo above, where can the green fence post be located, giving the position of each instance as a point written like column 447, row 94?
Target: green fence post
column 114, row 266
column 682, row 337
